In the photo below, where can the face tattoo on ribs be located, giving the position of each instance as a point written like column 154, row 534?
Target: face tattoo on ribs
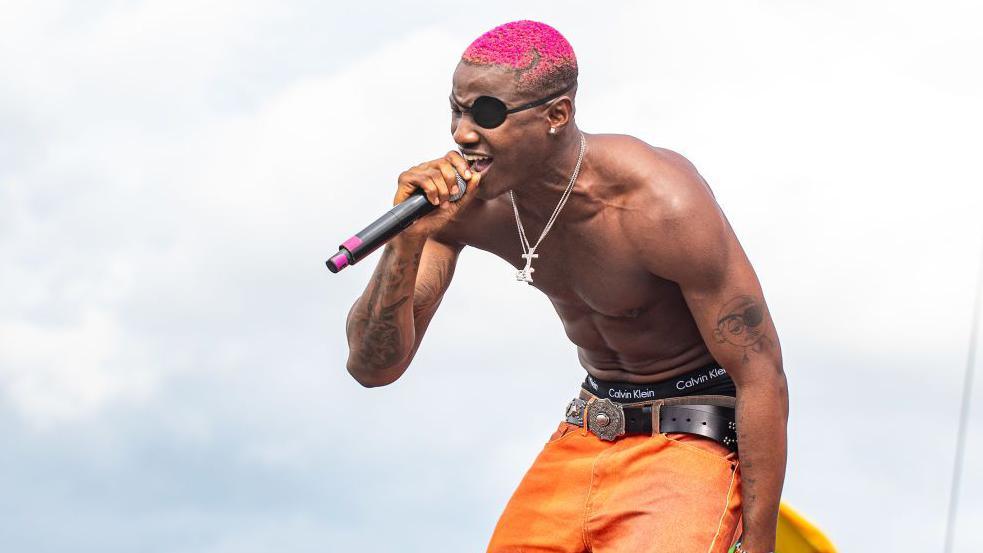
column 740, row 323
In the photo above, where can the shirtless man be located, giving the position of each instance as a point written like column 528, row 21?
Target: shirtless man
column 649, row 282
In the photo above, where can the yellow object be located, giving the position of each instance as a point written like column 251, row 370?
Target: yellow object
column 798, row 535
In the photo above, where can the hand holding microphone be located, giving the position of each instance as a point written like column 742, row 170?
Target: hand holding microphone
column 437, row 179
column 421, row 189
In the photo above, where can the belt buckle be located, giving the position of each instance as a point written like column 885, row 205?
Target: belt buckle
column 607, row 419
column 575, row 411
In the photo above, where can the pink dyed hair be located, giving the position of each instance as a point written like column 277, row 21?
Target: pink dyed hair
column 542, row 59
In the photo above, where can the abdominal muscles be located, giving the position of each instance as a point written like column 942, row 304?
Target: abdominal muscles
column 642, row 345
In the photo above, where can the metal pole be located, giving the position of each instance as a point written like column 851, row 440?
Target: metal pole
column 964, row 413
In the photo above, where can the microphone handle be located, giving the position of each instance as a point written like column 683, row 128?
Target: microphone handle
column 384, row 228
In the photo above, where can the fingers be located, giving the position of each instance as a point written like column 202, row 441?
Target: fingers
column 463, row 168
column 413, row 179
column 437, row 179
column 459, row 163
column 473, row 181
column 425, row 181
column 449, row 175
column 436, row 176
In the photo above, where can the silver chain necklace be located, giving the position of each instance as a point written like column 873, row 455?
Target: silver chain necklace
column 529, row 252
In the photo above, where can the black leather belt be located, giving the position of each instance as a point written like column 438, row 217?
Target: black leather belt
column 609, row 420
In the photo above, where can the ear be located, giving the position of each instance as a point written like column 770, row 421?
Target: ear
column 560, row 112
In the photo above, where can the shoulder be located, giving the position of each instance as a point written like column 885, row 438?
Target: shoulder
column 660, row 187
column 671, row 217
column 659, row 179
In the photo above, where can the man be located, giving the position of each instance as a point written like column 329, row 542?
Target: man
column 649, row 282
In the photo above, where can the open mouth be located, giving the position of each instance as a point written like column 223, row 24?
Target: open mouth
column 478, row 163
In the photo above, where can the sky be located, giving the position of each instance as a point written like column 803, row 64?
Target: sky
column 172, row 347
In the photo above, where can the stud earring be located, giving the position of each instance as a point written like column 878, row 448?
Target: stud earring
column 552, row 130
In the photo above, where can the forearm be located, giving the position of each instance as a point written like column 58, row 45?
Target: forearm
column 380, row 325
column 762, row 414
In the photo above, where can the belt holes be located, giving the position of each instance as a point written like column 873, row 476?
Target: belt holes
column 687, row 420
column 704, row 424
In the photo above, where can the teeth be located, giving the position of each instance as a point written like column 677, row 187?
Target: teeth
column 471, row 157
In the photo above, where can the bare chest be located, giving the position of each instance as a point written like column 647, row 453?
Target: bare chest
column 583, row 266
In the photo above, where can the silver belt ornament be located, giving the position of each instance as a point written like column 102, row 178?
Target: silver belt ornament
column 605, row 418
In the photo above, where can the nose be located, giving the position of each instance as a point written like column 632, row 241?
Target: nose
column 463, row 130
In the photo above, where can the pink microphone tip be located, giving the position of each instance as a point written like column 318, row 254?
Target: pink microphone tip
column 338, row 262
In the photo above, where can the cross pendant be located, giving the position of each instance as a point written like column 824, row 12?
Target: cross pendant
column 526, row 273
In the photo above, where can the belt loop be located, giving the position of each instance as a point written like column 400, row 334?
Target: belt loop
column 583, row 428
column 656, row 415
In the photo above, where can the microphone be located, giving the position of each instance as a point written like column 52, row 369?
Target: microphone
column 402, row 215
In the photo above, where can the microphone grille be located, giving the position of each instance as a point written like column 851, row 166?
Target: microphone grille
column 462, row 186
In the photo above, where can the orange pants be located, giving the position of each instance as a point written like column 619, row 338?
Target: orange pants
column 666, row 493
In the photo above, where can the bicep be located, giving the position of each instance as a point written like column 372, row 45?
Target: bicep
column 733, row 318
column 685, row 237
column 704, row 257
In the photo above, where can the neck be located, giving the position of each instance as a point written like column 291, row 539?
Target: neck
column 539, row 194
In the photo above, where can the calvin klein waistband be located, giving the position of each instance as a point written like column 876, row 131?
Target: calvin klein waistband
column 710, row 379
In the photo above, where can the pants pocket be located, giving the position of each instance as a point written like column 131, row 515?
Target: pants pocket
column 564, row 429
column 703, row 445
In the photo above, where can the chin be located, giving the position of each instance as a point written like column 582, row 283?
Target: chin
column 490, row 191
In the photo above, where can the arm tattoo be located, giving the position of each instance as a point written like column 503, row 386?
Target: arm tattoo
column 741, row 323
column 381, row 336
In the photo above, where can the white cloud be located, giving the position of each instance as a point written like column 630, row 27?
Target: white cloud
column 173, row 188
column 54, row 372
